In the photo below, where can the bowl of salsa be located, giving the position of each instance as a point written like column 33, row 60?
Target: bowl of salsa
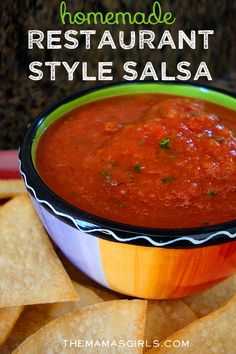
column 136, row 184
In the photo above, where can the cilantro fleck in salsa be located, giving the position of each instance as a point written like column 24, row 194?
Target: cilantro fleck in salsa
column 147, row 159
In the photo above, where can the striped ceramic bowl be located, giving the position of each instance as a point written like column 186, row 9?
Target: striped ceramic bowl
column 141, row 262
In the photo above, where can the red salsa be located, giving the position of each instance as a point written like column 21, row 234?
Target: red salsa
column 146, row 159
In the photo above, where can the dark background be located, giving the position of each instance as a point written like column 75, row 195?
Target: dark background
column 21, row 99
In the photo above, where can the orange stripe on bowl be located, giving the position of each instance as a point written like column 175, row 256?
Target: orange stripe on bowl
column 160, row 273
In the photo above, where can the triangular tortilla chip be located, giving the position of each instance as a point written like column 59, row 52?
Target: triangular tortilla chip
column 11, row 187
column 30, row 271
column 214, row 333
column 112, row 321
column 36, row 316
column 8, row 318
column 213, row 298
column 165, row 318
column 106, row 294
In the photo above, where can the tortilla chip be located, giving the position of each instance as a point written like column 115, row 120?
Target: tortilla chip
column 11, row 187
column 106, row 294
column 30, row 271
column 165, row 318
column 87, row 297
column 214, row 333
column 3, row 201
column 108, row 321
column 8, row 318
column 213, row 298
column 76, row 275
column 36, row 316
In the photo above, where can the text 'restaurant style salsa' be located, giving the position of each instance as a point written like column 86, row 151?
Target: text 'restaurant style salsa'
column 146, row 159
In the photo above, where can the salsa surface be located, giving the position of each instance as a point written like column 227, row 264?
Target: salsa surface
column 147, row 159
